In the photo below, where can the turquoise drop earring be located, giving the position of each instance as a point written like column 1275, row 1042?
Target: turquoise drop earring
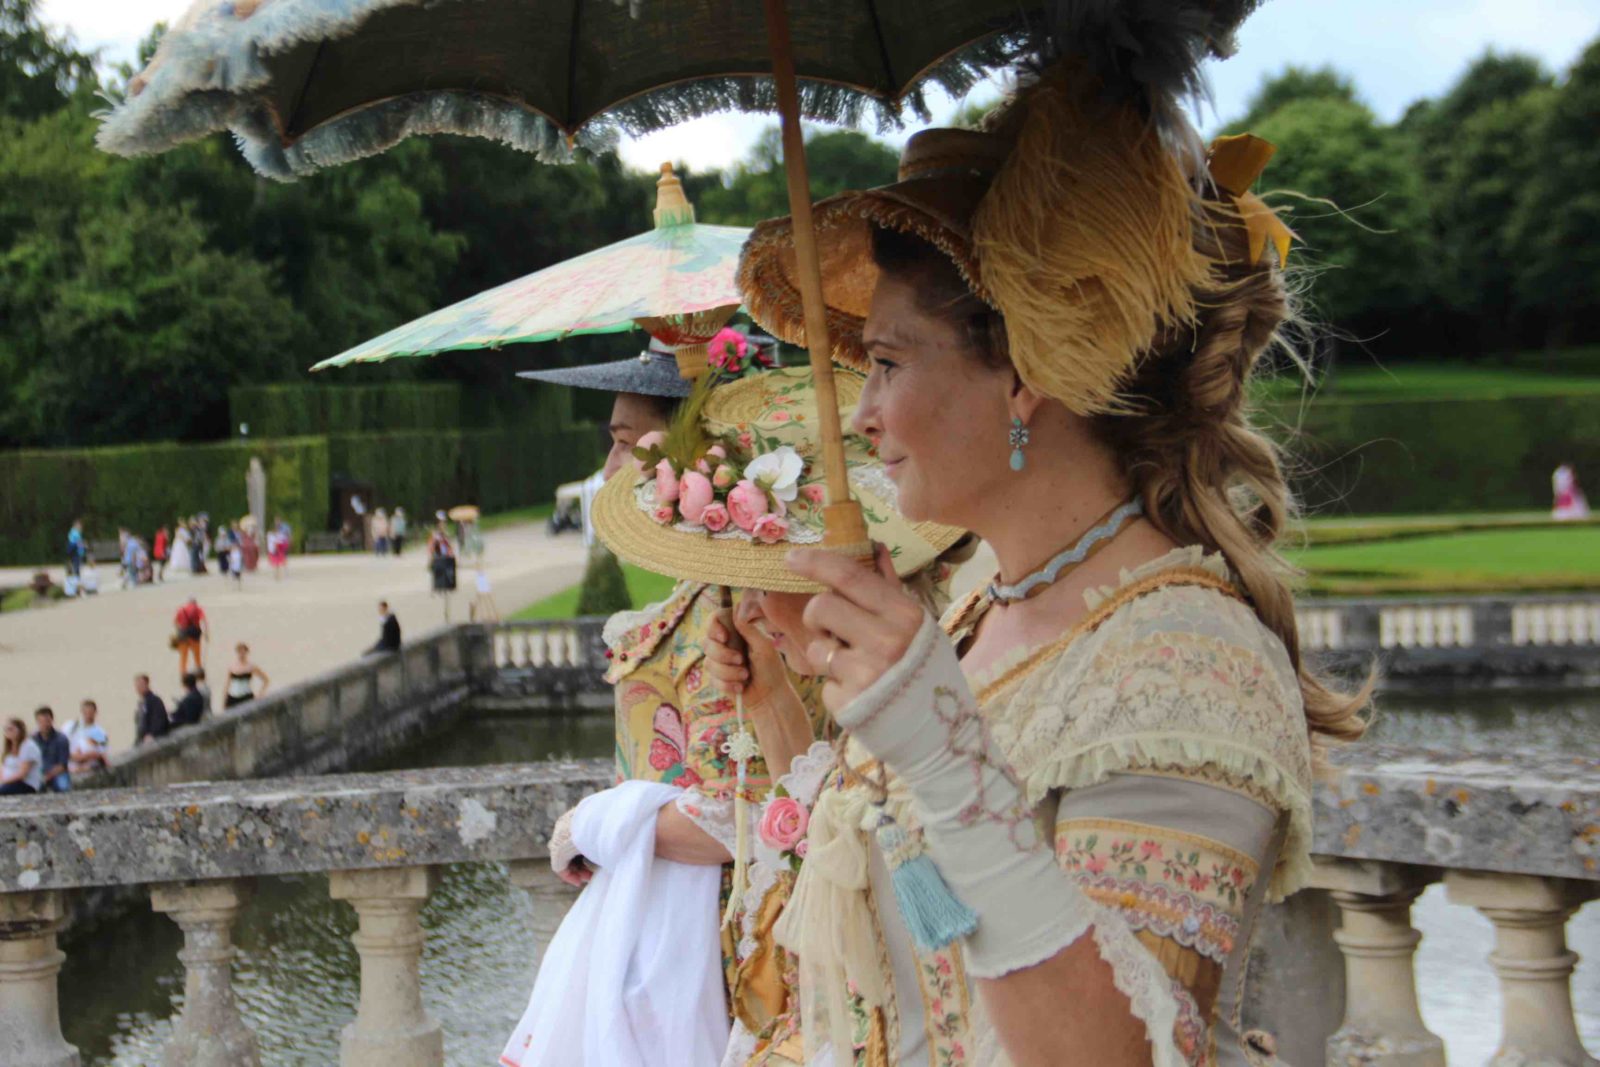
column 1019, row 440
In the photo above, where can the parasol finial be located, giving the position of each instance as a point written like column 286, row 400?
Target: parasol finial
column 672, row 207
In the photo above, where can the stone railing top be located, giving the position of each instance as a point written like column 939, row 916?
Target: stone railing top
column 1522, row 812
column 289, row 825
column 1528, row 813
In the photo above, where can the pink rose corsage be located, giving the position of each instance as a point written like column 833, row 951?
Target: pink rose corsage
column 783, row 824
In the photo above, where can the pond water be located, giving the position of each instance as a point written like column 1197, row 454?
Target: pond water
column 296, row 972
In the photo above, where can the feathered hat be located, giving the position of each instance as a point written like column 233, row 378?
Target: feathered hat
column 1072, row 212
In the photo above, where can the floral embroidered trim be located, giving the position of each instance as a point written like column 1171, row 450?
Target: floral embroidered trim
column 1188, row 861
column 1166, row 912
column 1176, row 576
column 946, row 1007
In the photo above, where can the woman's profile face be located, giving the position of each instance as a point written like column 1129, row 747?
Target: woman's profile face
column 937, row 414
column 781, row 616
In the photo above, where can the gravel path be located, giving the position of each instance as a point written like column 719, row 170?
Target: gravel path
column 323, row 613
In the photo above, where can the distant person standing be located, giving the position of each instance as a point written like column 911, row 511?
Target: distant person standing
column 442, row 560
column 222, row 545
column 88, row 740
column 191, row 628
column 380, row 532
column 150, row 720
column 1570, row 503
column 19, row 769
column 236, row 555
column 250, row 547
column 191, row 707
column 179, row 553
column 158, row 553
column 388, row 632
column 130, row 558
column 77, row 550
column 55, row 754
column 197, row 547
column 397, row 530
column 241, row 678
column 278, row 547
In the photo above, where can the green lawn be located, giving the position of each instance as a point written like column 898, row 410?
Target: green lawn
column 1358, row 529
column 1559, row 558
column 1529, row 374
column 643, row 586
column 536, row 513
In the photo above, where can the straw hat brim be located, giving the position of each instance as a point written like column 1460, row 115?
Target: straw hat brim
column 634, row 536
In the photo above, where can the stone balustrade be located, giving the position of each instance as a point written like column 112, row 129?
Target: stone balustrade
column 373, row 705
column 1514, row 836
column 1482, row 639
column 381, row 839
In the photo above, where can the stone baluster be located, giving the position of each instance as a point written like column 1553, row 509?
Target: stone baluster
column 1382, row 1020
column 210, row 1032
column 391, row 1028
column 30, row 1014
column 1532, row 961
column 550, row 897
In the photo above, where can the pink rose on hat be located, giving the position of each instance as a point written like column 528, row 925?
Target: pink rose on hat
column 724, row 477
column 663, row 514
column 783, row 823
column 666, row 483
column 747, row 503
column 714, row 517
column 694, row 495
column 770, row 529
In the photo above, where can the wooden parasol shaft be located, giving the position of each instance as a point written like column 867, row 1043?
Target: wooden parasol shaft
column 844, row 526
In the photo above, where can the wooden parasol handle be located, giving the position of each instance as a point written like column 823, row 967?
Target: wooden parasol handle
column 844, row 526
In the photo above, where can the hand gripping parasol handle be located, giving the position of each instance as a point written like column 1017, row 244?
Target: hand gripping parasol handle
column 844, row 526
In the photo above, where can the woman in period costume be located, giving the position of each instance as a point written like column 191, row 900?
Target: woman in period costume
column 730, row 487
column 1057, row 819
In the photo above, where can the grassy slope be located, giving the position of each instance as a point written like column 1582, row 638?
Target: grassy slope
column 1576, row 371
column 1560, row 558
column 643, row 586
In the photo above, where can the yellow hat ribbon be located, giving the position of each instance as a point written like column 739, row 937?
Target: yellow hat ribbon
column 1236, row 162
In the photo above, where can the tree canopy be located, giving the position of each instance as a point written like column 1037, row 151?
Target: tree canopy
column 133, row 293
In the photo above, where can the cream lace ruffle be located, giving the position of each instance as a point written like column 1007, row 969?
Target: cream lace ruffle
column 1179, row 677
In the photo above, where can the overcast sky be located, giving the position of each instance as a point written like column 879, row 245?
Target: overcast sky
column 1397, row 51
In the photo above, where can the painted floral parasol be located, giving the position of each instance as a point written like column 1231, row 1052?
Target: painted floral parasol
column 676, row 280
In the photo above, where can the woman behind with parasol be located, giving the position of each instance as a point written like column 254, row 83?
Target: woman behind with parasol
column 715, row 501
column 1073, row 803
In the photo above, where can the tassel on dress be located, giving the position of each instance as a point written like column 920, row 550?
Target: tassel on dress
column 931, row 910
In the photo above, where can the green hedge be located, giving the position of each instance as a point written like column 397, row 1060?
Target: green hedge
column 298, row 409
column 295, row 410
column 1370, row 457
column 495, row 469
column 143, row 486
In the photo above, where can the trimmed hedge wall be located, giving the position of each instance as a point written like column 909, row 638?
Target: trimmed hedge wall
column 295, row 410
column 143, row 486
column 495, row 469
column 1374, row 457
